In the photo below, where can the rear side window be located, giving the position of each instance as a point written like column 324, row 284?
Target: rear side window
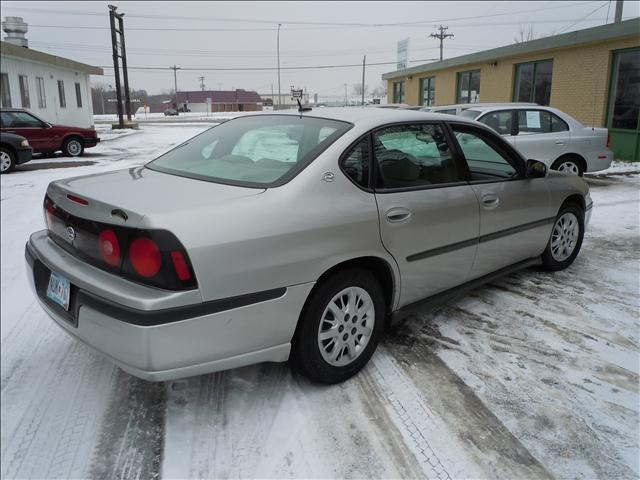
column 355, row 163
column 414, row 156
column 450, row 111
column 540, row 121
column 254, row 151
column 498, row 121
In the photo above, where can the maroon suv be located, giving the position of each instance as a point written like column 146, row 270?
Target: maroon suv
column 45, row 137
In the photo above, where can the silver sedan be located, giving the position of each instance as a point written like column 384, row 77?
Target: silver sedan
column 293, row 235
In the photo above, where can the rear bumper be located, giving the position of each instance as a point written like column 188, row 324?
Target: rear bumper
column 598, row 161
column 180, row 347
column 91, row 142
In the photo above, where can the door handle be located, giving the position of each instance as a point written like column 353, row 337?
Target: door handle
column 559, row 142
column 398, row 214
column 490, row 201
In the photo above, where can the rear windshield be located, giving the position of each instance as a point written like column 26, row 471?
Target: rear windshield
column 470, row 113
column 254, row 151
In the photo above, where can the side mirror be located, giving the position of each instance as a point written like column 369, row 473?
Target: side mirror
column 536, row 169
column 46, row 125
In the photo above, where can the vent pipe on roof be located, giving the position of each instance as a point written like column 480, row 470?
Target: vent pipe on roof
column 15, row 29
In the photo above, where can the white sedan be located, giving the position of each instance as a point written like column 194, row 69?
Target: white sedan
column 548, row 135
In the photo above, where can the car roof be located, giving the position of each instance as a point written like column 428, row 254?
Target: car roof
column 358, row 115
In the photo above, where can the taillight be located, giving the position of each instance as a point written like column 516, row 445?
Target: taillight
column 145, row 257
column 608, row 139
column 109, row 247
column 179, row 263
column 76, row 199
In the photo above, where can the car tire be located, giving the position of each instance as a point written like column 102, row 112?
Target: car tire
column 331, row 344
column 73, row 147
column 565, row 240
column 7, row 160
column 570, row 164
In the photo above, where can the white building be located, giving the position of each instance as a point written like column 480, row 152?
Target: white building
column 54, row 88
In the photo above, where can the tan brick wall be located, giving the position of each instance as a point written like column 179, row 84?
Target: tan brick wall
column 579, row 85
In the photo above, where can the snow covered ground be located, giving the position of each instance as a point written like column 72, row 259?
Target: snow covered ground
column 533, row 376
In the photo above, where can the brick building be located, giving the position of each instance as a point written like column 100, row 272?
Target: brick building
column 592, row 74
column 220, row 101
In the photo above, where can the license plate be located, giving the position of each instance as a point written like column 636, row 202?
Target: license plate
column 59, row 290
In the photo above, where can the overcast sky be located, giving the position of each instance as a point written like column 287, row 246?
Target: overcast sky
column 209, row 35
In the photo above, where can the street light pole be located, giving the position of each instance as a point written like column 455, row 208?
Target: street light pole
column 345, row 94
column 279, row 92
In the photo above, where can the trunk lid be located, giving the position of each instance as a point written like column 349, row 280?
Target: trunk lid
column 124, row 197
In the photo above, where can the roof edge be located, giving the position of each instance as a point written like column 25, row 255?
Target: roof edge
column 10, row 50
column 610, row 31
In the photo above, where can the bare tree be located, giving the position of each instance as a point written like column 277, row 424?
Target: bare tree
column 524, row 34
column 358, row 90
column 379, row 92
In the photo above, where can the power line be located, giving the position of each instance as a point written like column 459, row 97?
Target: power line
column 441, row 35
column 583, row 18
column 419, row 23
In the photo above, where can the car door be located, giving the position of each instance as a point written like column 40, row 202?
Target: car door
column 515, row 217
column 502, row 122
column 541, row 135
column 429, row 219
column 27, row 125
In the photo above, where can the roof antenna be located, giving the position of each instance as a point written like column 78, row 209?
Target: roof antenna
column 301, row 108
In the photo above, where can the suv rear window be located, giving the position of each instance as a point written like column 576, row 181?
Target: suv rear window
column 254, row 151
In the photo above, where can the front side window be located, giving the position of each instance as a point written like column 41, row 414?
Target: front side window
column 498, row 121
column 19, row 120
column 355, row 164
column 469, row 86
column 539, row 121
column 23, row 81
column 5, row 91
column 61, row 96
column 533, row 82
column 428, row 91
column 78, row 95
column 42, row 98
column 414, row 156
column 624, row 101
column 484, row 160
column 255, row 151
column 398, row 92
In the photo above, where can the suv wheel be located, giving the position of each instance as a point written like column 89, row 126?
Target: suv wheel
column 7, row 160
column 340, row 327
column 566, row 239
column 73, row 147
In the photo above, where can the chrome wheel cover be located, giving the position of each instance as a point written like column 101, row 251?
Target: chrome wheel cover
column 74, row 148
column 569, row 167
column 564, row 237
column 5, row 161
column 346, row 326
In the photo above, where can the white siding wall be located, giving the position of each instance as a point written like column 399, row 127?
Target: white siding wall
column 53, row 113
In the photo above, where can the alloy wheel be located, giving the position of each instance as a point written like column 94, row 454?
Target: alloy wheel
column 346, row 326
column 569, row 167
column 74, row 148
column 564, row 237
column 5, row 161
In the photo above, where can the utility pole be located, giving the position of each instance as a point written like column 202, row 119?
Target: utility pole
column 201, row 83
column 279, row 92
column 345, row 95
column 175, row 85
column 441, row 35
column 119, row 54
column 364, row 61
column 618, row 16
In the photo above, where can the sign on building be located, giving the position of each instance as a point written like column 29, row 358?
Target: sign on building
column 403, row 54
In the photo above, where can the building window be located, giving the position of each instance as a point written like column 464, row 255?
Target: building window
column 78, row 95
column 469, row 86
column 5, row 92
column 398, row 92
column 63, row 99
column 23, row 81
column 624, row 101
column 533, row 82
column 428, row 90
column 42, row 98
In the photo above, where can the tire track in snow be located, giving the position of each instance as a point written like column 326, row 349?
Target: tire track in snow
column 131, row 438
